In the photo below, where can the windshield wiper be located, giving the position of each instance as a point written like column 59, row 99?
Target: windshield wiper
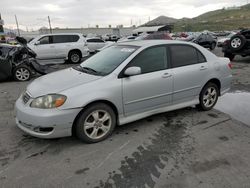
column 89, row 69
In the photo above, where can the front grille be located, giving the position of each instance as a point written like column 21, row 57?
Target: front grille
column 26, row 97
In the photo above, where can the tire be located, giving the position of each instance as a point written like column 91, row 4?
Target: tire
column 90, row 126
column 75, row 57
column 230, row 56
column 213, row 45
column 237, row 42
column 207, row 98
column 22, row 73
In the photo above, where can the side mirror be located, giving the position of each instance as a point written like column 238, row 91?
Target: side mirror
column 37, row 42
column 132, row 71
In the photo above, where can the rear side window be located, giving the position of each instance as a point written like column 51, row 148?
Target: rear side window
column 65, row 38
column 95, row 40
column 151, row 60
column 183, row 55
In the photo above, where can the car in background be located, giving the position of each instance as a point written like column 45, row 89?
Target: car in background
column 239, row 44
column 205, row 40
column 157, row 36
column 95, row 44
column 11, row 41
column 221, row 41
column 121, row 84
column 127, row 38
column 71, row 47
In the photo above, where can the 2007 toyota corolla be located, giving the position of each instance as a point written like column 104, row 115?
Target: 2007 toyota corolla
column 121, row 84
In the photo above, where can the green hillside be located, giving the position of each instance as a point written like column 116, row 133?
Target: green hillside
column 223, row 19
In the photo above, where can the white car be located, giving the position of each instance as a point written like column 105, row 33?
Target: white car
column 126, row 39
column 70, row 47
column 95, row 44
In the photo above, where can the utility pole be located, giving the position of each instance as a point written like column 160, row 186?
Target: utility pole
column 1, row 25
column 17, row 26
column 50, row 29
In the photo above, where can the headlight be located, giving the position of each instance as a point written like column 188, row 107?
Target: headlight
column 48, row 101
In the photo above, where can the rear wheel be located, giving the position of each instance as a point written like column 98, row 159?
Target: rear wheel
column 208, row 97
column 213, row 45
column 75, row 56
column 22, row 73
column 96, row 123
column 230, row 56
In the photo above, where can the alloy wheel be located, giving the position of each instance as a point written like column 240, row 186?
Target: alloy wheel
column 75, row 58
column 210, row 97
column 22, row 74
column 236, row 43
column 97, row 124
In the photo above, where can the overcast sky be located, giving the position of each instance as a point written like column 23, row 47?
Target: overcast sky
column 84, row 13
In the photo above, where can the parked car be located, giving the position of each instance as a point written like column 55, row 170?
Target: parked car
column 121, row 84
column 205, row 40
column 70, row 47
column 95, row 44
column 221, row 41
column 158, row 35
column 238, row 44
column 19, row 62
column 127, row 38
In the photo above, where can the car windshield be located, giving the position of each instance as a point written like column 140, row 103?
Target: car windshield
column 108, row 60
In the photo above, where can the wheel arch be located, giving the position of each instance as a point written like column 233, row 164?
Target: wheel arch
column 77, row 50
column 109, row 103
column 215, row 81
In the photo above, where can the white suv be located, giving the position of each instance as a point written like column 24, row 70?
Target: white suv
column 70, row 47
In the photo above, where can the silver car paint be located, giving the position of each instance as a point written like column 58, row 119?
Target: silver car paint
column 134, row 97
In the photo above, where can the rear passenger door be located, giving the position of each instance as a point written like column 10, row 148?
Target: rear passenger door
column 190, row 70
column 63, row 44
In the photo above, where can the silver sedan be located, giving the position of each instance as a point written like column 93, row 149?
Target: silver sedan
column 123, row 83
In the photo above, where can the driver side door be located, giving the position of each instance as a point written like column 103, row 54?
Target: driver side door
column 153, row 87
column 45, row 49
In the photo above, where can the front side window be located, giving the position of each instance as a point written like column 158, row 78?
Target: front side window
column 108, row 59
column 44, row 40
column 151, row 60
column 183, row 55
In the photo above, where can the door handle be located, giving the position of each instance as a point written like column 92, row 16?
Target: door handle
column 52, row 46
column 203, row 68
column 166, row 75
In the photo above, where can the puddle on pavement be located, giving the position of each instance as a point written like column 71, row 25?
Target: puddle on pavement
column 236, row 104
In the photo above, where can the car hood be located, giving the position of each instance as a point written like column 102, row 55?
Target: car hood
column 59, row 81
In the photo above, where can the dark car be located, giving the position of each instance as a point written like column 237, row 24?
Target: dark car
column 158, row 35
column 206, row 40
column 239, row 44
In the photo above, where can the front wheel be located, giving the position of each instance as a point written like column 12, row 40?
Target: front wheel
column 22, row 73
column 96, row 123
column 208, row 97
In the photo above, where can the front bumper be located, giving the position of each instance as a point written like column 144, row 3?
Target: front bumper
column 44, row 123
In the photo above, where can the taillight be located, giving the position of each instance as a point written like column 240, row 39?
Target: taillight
column 230, row 65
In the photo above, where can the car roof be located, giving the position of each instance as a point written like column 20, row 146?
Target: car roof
column 51, row 34
column 148, row 43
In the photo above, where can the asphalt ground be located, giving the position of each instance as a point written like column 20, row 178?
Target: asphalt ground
column 182, row 148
